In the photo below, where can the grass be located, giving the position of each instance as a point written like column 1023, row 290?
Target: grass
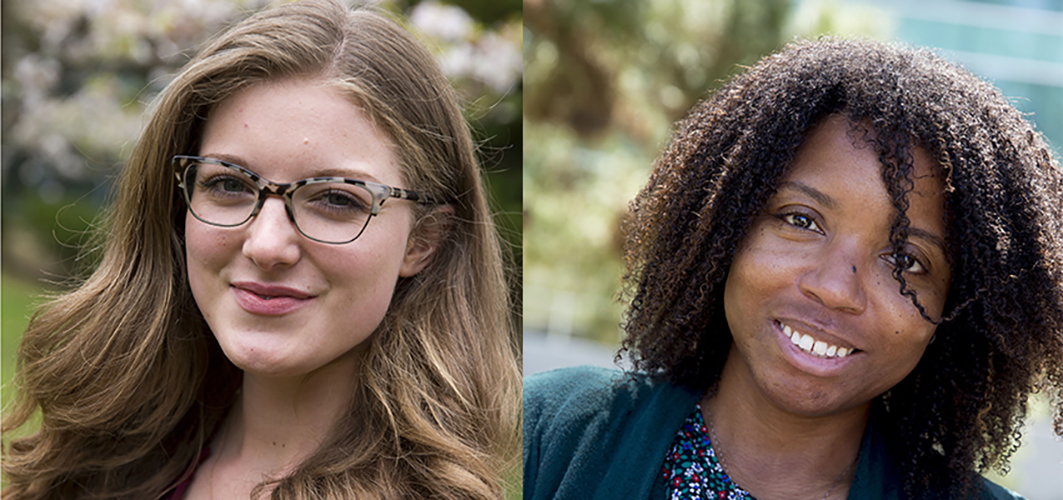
column 18, row 298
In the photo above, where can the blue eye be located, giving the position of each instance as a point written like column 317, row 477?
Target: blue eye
column 232, row 186
column 334, row 199
column 225, row 185
column 341, row 200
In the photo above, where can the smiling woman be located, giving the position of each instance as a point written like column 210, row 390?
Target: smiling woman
column 845, row 277
column 301, row 293
column 257, row 282
column 812, row 283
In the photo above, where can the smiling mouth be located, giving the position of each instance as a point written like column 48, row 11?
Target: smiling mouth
column 814, row 347
column 269, row 292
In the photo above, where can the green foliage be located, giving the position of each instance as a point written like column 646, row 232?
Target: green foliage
column 78, row 78
column 605, row 81
column 17, row 300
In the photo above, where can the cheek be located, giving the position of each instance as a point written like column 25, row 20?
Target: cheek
column 197, row 252
column 900, row 318
column 756, row 273
column 736, row 291
column 368, row 268
column 906, row 340
column 206, row 253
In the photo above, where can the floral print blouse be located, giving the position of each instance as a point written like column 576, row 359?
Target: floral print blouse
column 691, row 470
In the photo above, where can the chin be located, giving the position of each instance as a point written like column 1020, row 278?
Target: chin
column 268, row 369
column 268, row 359
column 809, row 399
column 254, row 354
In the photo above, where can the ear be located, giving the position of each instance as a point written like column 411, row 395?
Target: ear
column 425, row 239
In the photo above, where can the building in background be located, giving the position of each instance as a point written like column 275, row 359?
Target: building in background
column 1016, row 45
column 605, row 79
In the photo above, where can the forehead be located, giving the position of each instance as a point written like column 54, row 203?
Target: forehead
column 842, row 157
column 838, row 144
column 297, row 128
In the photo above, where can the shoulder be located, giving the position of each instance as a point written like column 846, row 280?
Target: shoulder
column 598, row 433
column 993, row 491
column 574, row 394
column 583, row 384
column 879, row 474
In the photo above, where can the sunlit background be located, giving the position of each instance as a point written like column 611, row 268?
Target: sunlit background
column 79, row 75
column 605, row 79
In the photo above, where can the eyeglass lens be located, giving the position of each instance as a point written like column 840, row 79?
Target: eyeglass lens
column 332, row 212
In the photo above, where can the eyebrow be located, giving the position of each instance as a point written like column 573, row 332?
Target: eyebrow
column 325, row 172
column 927, row 235
column 826, row 200
column 820, row 197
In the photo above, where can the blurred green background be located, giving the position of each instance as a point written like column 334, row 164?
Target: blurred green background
column 605, row 80
column 78, row 77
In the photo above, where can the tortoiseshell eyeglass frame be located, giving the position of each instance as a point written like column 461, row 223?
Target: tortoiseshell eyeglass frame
column 379, row 192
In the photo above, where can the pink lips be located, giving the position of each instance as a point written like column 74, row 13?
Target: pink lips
column 268, row 300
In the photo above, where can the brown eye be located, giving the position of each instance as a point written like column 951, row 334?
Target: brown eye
column 801, row 220
column 906, row 263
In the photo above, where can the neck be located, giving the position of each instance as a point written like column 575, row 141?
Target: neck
column 277, row 422
column 774, row 453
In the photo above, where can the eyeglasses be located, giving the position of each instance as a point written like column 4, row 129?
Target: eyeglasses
column 325, row 209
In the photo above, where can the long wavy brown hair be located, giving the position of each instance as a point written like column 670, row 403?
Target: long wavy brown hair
column 961, row 409
column 127, row 378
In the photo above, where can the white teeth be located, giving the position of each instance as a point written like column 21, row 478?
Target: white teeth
column 813, row 346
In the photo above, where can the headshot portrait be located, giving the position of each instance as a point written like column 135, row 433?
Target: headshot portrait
column 299, row 288
column 843, row 279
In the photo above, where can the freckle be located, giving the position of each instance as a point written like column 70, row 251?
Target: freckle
column 274, row 443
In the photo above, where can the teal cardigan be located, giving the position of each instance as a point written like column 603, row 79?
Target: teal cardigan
column 596, row 433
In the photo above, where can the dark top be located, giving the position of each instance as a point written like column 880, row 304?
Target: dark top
column 179, row 491
column 595, row 433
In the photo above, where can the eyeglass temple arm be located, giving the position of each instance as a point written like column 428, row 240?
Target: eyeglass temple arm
column 413, row 196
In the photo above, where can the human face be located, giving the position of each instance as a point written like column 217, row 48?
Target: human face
column 818, row 261
column 279, row 303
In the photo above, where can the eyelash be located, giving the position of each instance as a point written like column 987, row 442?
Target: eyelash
column 792, row 218
column 892, row 259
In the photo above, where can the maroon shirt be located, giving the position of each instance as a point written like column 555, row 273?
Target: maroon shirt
column 179, row 492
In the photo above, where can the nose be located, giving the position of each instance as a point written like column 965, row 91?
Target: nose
column 272, row 239
column 836, row 279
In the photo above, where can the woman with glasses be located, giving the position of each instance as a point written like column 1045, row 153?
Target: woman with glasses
column 301, row 293
column 845, row 278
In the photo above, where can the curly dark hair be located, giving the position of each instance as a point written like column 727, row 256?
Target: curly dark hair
column 1001, row 337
